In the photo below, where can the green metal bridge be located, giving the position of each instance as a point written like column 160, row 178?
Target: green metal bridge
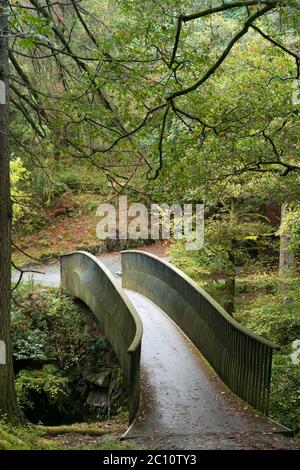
column 196, row 368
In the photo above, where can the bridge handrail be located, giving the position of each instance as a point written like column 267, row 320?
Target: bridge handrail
column 242, row 359
column 88, row 279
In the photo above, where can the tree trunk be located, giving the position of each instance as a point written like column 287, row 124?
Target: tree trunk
column 230, row 281
column 286, row 258
column 231, row 268
column 8, row 403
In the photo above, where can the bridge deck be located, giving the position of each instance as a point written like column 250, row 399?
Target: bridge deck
column 182, row 395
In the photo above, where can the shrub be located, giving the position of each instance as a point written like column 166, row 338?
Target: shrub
column 276, row 316
column 59, row 354
column 48, row 325
column 285, row 390
column 46, row 384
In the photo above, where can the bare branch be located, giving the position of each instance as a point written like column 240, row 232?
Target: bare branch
column 225, row 53
column 283, row 48
column 22, row 271
column 160, row 144
column 211, row 11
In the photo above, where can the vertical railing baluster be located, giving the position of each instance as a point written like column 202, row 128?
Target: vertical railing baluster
column 242, row 360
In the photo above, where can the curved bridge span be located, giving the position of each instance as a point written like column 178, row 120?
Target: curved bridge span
column 180, row 342
column 86, row 278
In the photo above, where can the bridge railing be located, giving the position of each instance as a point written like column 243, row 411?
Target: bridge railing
column 86, row 278
column 241, row 359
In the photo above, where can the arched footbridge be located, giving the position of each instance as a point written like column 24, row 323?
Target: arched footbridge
column 190, row 367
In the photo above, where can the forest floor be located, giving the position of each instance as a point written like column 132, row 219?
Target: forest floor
column 92, row 436
column 64, row 229
column 68, row 225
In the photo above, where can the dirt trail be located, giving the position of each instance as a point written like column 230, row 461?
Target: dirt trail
column 50, row 273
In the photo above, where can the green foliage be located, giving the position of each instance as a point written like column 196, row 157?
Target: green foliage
column 272, row 319
column 201, row 165
column 49, row 326
column 189, row 261
column 58, row 351
column 30, row 345
column 285, row 390
column 275, row 312
column 275, row 315
column 46, row 185
column 82, row 179
column 19, row 176
column 291, row 226
column 45, row 382
column 37, row 28
column 232, row 245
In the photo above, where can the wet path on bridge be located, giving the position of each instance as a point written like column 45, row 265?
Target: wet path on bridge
column 182, row 395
